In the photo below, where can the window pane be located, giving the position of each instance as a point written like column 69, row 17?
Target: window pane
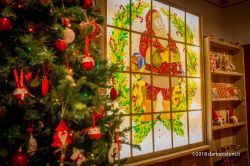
column 140, row 52
column 192, row 29
column 177, row 24
column 179, row 121
column 125, row 148
column 160, row 19
column 141, row 15
column 118, row 13
column 195, row 126
column 193, row 61
column 118, row 48
column 141, row 93
column 122, row 86
column 179, row 101
column 162, row 132
column 142, row 134
column 194, row 93
column 178, row 61
column 161, row 94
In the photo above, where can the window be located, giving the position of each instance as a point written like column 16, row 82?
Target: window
column 157, row 50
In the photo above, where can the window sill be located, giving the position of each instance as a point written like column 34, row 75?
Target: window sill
column 169, row 156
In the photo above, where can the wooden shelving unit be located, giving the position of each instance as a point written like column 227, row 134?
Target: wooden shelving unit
column 228, row 134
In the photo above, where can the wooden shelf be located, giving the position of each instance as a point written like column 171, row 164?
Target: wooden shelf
column 218, row 158
column 227, row 73
column 224, row 45
column 228, row 125
column 226, row 99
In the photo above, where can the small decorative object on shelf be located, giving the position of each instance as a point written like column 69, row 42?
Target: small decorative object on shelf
column 238, row 93
column 213, row 62
column 217, row 120
column 232, row 117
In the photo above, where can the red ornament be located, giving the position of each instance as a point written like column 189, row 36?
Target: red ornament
column 5, row 24
column 67, row 22
column 94, row 133
column 30, row 29
column 19, row 159
column 113, row 93
column 60, row 45
column 61, row 136
column 28, row 76
column 87, row 4
column 88, row 62
column 45, row 82
column 100, row 112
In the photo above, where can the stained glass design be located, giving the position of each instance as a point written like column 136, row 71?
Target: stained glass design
column 140, row 52
column 177, row 24
column 118, row 48
column 161, row 94
column 192, row 28
column 194, row 93
column 122, row 85
column 142, row 134
column 118, row 12
column 160, row 20
column 140, row 97
column 178, row 65
column 141, row 15
column 195, row 126
column 162, row 132
column 193, row 61
column 158, row 78
column 179, row 101
column 180, row 127
column 125, row 148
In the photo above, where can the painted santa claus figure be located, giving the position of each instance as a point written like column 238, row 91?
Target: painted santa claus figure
column 165, row 59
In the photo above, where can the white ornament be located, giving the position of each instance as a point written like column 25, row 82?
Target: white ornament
column 32, row 146
column 78, row 156
column 114, row 153
column 69, row 35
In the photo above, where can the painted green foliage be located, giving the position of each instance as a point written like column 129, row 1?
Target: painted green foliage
column 118, row 41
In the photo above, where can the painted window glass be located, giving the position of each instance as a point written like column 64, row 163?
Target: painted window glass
column 157, row 50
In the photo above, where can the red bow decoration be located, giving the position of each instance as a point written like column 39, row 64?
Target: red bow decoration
column 21, row 91
column 45, row 82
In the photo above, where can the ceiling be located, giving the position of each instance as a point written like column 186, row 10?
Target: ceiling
column 225, row 3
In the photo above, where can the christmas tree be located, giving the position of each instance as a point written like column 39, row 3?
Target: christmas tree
column 56, row 98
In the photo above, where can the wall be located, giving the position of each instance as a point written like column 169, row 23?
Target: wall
column 212, row 16
column 236, row 22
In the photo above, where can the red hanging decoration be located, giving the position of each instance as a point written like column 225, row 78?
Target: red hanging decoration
column 5, row 24
column 20, row 92
column 61, row 136
column 87, row 4
column 60, row 45
column 45, row 82
column 19, row 159
column 113, row 93
column 100, row 112
column 28, row 76
column 88, row 62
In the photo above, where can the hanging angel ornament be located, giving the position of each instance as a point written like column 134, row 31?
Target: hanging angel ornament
column 114, row 151
column 32, row 144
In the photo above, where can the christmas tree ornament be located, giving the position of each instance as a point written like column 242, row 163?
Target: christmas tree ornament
column 60, row 45
column 232, row 117
column 113, row 93
column 61, row 140
column 28, row 49
column 20, row 92
column 32, row 144
column 88, row 63
column 100, row 113
column 28, row 76
column 66, row 22
column 19, row 158
column 5, row 24
column 114, row 151
column 69, row 35
column 93, row 132
column 45, row 82
column 61, row 136
column 87, row 4
column 86, row 93
column 30, row 28
column 78, row 156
